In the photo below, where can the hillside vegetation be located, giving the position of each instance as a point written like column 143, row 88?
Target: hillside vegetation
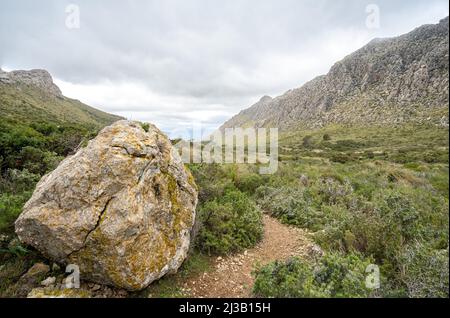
column 363, row 168
column 377, row 195
column 37, row 130
column 25, row 103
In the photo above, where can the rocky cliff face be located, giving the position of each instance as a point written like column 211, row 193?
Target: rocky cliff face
column 37, row 78
column 121, row 209
column 379, row 83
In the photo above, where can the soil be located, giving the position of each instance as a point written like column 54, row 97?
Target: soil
column 231, row 277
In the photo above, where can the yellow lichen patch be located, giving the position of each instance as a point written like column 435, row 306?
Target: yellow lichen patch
column 59, row 293
column 190, row 179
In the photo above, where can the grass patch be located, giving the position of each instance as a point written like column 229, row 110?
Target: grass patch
column 171, row 286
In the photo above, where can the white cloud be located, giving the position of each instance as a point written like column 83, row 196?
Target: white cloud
column 174, row 61
column 137, row 102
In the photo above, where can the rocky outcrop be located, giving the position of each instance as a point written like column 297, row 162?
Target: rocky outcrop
column 380, row 83
column 50, row 292
column 37, row 78
column 121, row 208
column 31, row 279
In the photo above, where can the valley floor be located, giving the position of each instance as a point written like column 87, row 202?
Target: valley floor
column 231, row 277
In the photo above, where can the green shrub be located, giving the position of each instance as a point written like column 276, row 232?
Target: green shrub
column 341, row 158
column 250, row 182
column 307, row 141
column 229, row 224
column 145, row 126
column 10, row 208
column 17, row 181
column 212, row 180
column 333, row 190
column 334, row 275
column 369, row 154
column 425, row 271
column 348, row 144
column 291, row 279
column 291, row 205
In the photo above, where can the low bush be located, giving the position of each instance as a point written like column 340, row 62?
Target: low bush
column 10, row 208
column 308, row 141
column 334, row 275
column 341, row 158
column 425, row 271
column 250, row 182
column 229, row 224
column 291, row 205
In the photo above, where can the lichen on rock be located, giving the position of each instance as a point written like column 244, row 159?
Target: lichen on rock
column 121, row 208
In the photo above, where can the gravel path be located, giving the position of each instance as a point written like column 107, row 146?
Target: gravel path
column 232, row 276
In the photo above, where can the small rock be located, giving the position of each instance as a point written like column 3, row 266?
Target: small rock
column 31, row 278
column 122, row 293
column 48, row 281
column 4, row 238
column 14, row 243
column 304, row 180
column 36, row 270
column 315, row 251
column 55, row 267
column 58, row 293
column 96, row 287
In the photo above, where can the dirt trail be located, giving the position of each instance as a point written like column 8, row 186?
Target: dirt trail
column 231, row 276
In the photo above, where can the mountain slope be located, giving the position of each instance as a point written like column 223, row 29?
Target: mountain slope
column 32, row 96
column 387, row 81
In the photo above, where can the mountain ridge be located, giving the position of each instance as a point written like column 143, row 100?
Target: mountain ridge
column 372, row 84
column 33, row 96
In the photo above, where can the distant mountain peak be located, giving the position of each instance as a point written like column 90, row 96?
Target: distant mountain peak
column 380, row 83
column 37, row 77
column 265, row 99
column 33, row 97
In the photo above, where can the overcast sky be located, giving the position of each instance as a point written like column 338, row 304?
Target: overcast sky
column 175, row 62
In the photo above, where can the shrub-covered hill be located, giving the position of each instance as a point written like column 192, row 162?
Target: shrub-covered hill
column 38, row 127
column 29, row 104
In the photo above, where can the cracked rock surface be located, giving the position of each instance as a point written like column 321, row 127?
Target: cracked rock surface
column 121, row 208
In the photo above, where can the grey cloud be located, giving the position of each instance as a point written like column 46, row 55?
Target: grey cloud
column 216, row 52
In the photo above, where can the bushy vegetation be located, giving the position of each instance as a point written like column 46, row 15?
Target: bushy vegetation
column 393, row 211
column 374, row 195
column 228, row 220
column 229, row 224
column 334, row 275
column 28, row 150
column 358, row 197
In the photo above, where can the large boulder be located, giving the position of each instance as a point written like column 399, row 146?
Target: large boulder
column 121, row 208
